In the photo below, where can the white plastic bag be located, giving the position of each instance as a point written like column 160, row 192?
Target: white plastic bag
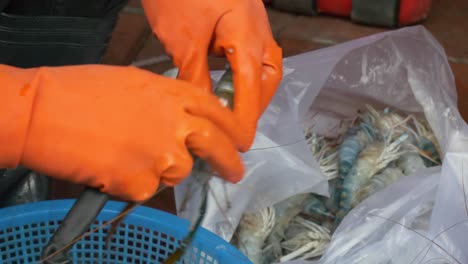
column 405, row 69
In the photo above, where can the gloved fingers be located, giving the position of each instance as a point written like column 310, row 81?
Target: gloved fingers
column 182, row 38
column 244, row 53
column 210, row 108
column 143, row 186
column 272, row 73
column 192, row 63
column 173, row 168
column 209, row 143
column 247, row 90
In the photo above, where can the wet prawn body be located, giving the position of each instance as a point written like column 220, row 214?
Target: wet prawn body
column 254, row 229
column 356, row 139
column 375, row 151
column 316, row 207
column 410, row 163
column 378, row 182
column 225, row 92
column 372, row 159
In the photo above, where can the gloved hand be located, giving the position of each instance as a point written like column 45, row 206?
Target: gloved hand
column 120, row 129
column 239, row 29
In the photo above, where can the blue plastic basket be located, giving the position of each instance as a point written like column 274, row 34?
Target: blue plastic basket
column 146, row 236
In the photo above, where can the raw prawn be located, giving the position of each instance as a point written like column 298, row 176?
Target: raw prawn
column 225, row 92
column 329, row 164
column 387, row 120
column 357, row 138
column 325, row 152
column 373, row 158
column 316, row 208
column 388, row 176
column 410, row 163
column 285, row 211
column 254, row 228
column 427, row 142
column 305, row 240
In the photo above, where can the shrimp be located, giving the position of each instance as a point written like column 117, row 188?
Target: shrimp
column 329, row 164
column 357, row 138
column 254, row 228
column 325, row 152
column 388, row 176
column 317, row 209
column 409, row 163
column 285, row 211
column 430, row 149
column 305, row 240
column 427, row 142
column 225, row 92
column 315, row 142
column 373, row 158
column 385, row 121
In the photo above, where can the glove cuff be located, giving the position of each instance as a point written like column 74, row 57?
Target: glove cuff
column 18, row 90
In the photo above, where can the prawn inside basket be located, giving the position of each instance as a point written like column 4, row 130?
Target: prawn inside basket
column 145, row 236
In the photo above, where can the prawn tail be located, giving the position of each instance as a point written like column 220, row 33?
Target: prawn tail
column 432, row 157
column 316, row 209
column 347, row 195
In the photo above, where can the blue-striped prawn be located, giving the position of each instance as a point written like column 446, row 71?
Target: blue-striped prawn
column 425, row 142
column 318, row 209
column 254, row 228
column 355, row 140
column 387, row 121
column 372, row 159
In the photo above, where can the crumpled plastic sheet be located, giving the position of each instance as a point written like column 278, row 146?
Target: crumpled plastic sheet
column 422, row 218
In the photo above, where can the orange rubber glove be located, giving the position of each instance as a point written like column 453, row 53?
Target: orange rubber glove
column 190, row 30
column 120, row 129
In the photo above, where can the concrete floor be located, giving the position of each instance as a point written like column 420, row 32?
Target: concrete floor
column 133, row 41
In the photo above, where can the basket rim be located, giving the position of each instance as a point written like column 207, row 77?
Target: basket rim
column 223, row 249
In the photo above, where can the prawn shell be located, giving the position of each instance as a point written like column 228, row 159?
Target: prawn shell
column 410, row 163
column 316, row 209
column 348, row 154
column 370, row 162
column 388, row 176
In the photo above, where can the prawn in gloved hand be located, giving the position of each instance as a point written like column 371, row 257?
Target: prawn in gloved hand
column 190, row 30
column 121, row 130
